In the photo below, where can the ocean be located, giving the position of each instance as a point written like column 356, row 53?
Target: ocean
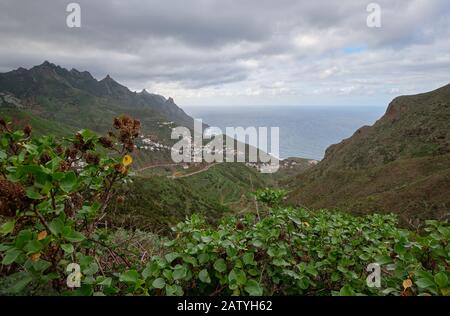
column 305, row 131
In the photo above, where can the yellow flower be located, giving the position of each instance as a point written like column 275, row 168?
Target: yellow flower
column 407, row 283
column 306, row 224
column 42, row 235
column 127, row 160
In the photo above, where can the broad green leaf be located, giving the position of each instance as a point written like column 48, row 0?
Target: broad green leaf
column 7, row 227
column 171, row 256
column 253, row 288
column 104, row 281
column 425, row 283
column 74, row 236
column 347, row 290
column 87, row 135
column 20, row 283
column 33, row 246
column 179, row 272
column 130, row 276
column 248, row 258
column 10, row 256
column 237, row 276
column 204, row 276
column 69, row 182
column 68, row 248
column 33, row 194
column 56, row 226
column 220, row 265
column 441, row 280
column 159, row 283
column 203, row 258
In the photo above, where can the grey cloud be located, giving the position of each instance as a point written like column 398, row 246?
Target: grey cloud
column 233, row 44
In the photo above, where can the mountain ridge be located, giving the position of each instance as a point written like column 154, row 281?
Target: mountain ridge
column 400, row 164
column 38, row 81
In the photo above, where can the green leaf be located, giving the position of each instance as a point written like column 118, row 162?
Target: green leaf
column 87, row 135
column 347, row 290
column 33, row 246
column 220, row 265
column 253, row 288
column 68, row 248
column 91, row 269
column 248, row 258
column 130, row 276
column 310, row 269
column 7, row 227
column 441, row 280
column 159, row 283
column 56, row 226
column 21, row 283
column 204, row 276
column 179, row 272
column 3, row 155
column 206, row 239
column 152, row 269
column 174, row 290
column 69, row 182
column 10, row 256
column 237, row 276
column 33, row 194
column 425, row 283
column 104, row 281
column 74, row 236
column 171, row 256
column 203, row 258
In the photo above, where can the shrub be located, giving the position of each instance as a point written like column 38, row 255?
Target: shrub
column 270, row 197
column 54, row 194
column 297, row 252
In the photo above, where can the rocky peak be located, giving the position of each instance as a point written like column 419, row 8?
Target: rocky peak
column 47, row 64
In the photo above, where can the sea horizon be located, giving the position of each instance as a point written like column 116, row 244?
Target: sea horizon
column 305, row 131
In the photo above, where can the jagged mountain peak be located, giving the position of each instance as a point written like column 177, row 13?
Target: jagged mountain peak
column 107, row 78
column 48, row 81
column 46, row 65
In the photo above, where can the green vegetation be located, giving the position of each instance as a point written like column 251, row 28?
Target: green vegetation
column 158, row 202
column 297, row 252
column 401, row 164
column 271, row 197
column 55, row 206
column 54, row 193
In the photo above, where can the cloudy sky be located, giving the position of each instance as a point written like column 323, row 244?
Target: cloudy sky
column 240, row 52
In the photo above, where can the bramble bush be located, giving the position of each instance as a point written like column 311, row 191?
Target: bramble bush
column 55, row 194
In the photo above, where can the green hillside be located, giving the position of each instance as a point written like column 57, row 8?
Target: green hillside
column 159, row 202
column 400, row 164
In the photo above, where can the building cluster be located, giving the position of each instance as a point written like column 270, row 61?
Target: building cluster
column 147, row 143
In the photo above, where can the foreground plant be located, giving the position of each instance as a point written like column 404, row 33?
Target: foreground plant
column 297, row 252
column 54, row 195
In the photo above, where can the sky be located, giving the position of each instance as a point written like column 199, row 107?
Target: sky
column 240, row 52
